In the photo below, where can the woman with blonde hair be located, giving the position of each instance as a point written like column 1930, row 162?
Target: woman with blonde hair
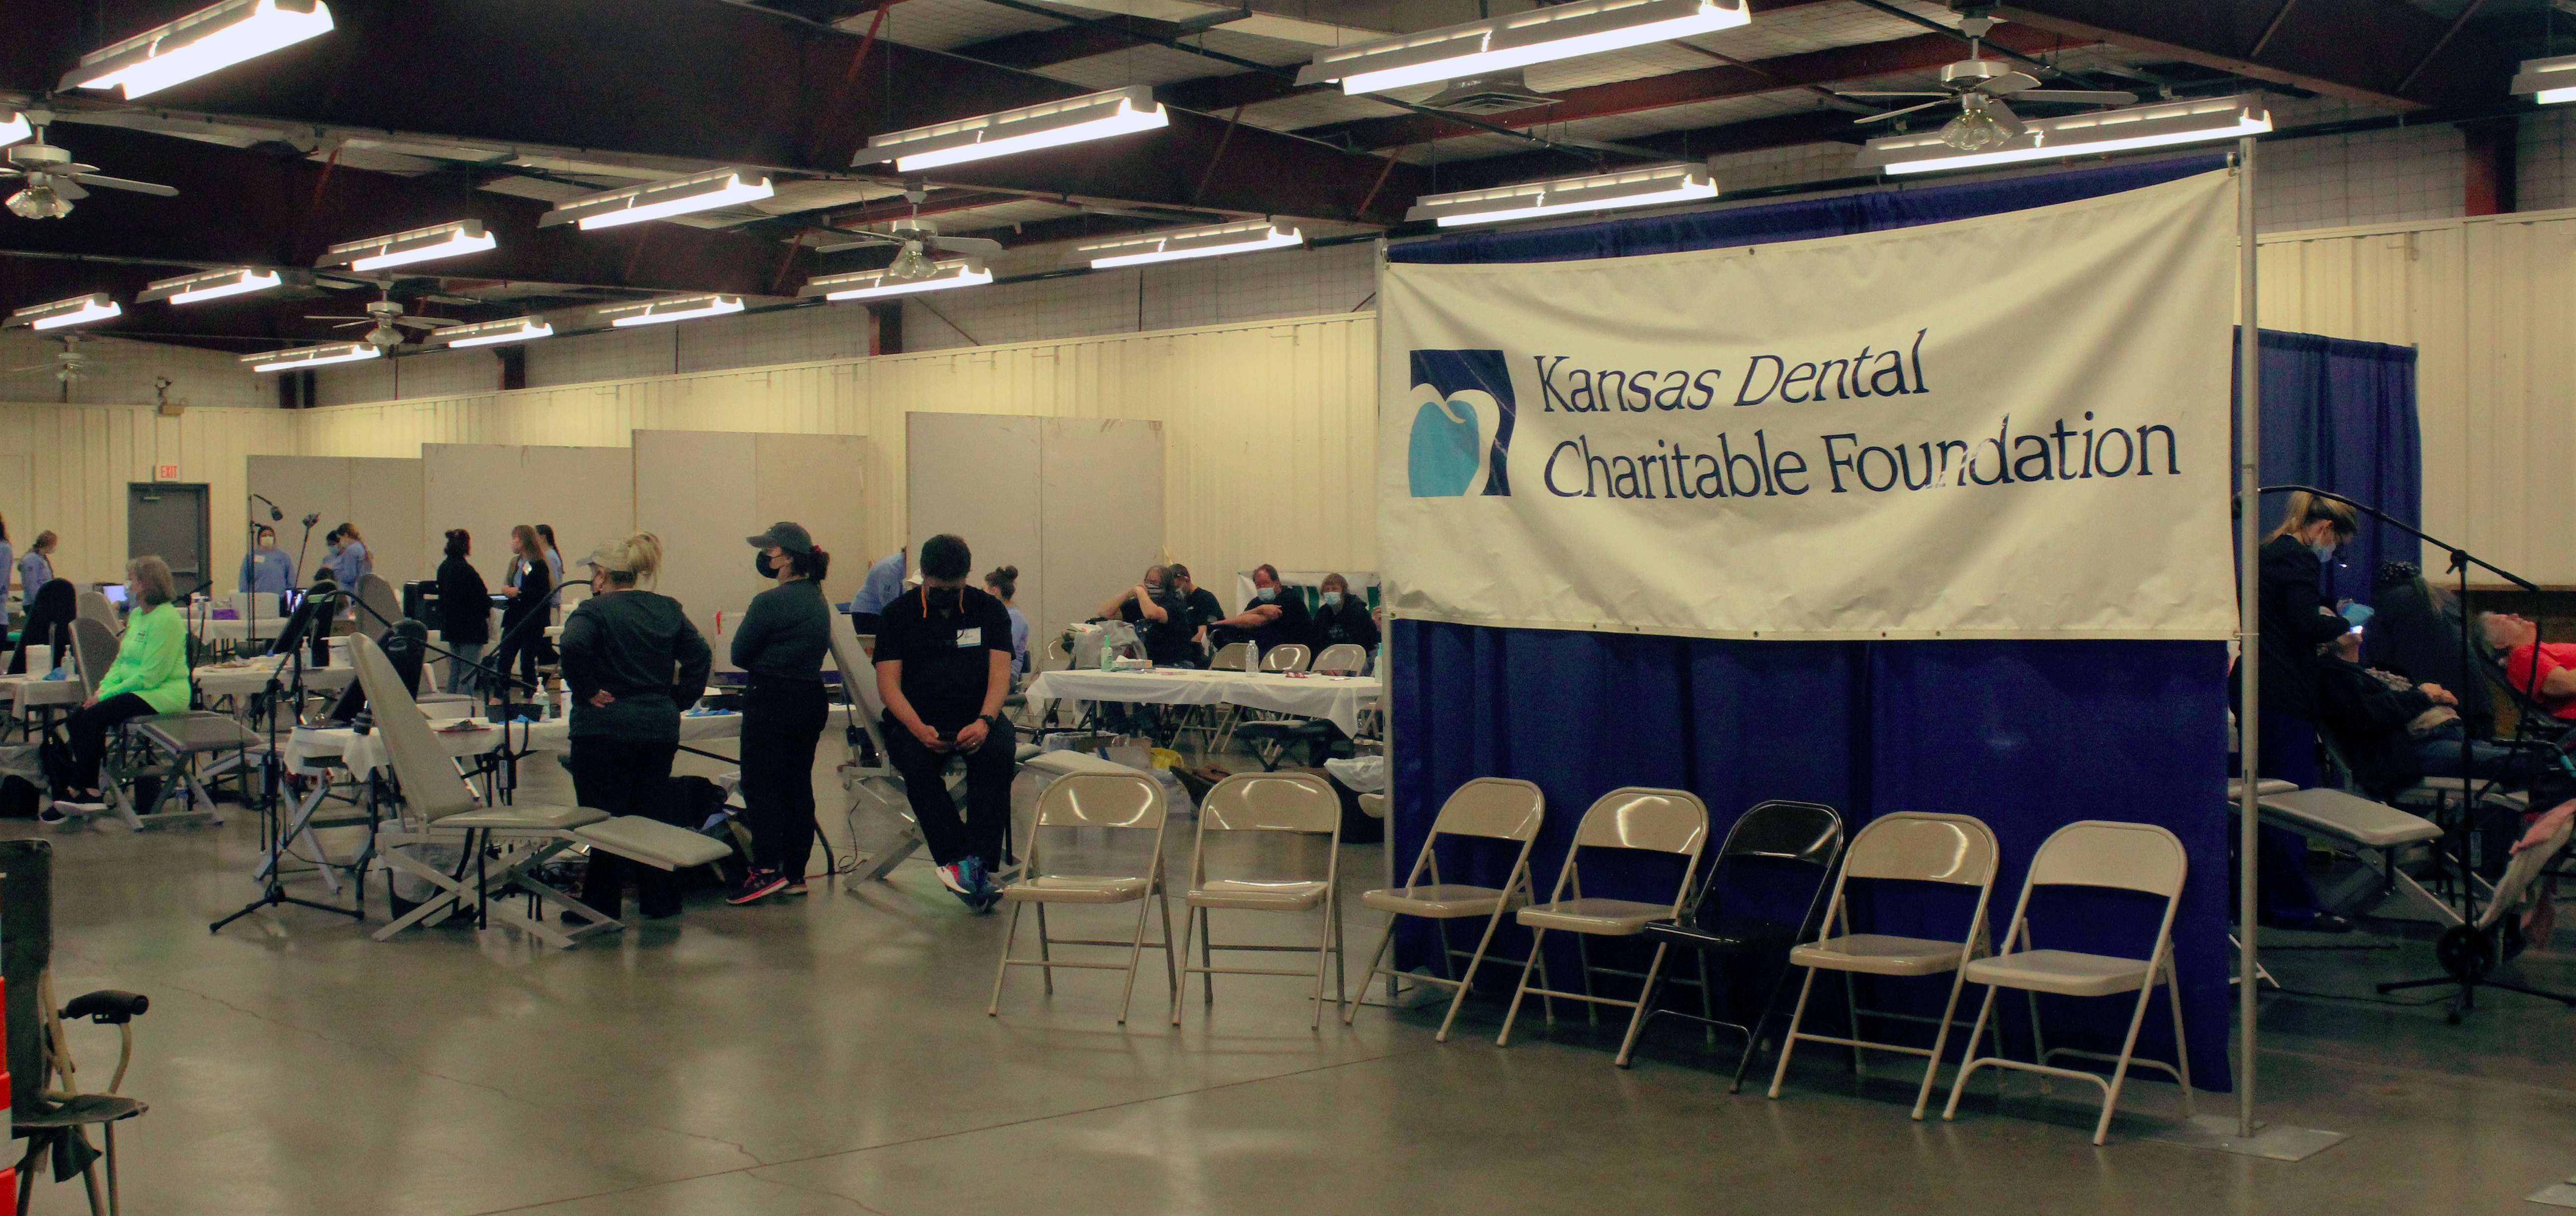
column 150, row 676
column 633, row 662
column 2297, row 619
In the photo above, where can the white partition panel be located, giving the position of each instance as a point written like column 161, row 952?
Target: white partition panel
column 977, row 475
column 587, row 493
column 818, row 481
column 694, row 490
column 1101, row 512
column 381, row 495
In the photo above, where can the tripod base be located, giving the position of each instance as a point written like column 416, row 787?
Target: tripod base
column 276, row 895
column 2469, row 958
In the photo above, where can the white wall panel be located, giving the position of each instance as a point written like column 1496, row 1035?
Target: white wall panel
column 80, row 458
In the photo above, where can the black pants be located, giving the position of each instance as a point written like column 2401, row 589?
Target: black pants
column 89, row 728
column 988, row 793
column 526, row 648
column 623, row 777
column 781, row 722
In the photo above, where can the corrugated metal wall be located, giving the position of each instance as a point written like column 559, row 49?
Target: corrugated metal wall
column 2490, row 305
column 1270, row 427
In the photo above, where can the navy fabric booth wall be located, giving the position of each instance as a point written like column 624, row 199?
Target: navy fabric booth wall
column 2024, row 735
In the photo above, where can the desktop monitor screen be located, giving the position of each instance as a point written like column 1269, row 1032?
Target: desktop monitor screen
column 115, row 593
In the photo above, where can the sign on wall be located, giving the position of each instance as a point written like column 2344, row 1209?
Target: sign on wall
column 2009, row 426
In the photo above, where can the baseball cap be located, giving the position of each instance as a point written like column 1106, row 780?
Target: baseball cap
column 789, row 536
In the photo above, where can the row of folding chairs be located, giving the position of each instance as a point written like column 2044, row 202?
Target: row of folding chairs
column 1708, row 917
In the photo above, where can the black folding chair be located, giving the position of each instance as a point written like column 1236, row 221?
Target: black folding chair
column 1801, row 839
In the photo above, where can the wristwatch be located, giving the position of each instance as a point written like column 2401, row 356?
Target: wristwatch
column 995, row 721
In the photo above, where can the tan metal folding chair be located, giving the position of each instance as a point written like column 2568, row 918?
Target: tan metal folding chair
column 1903, row 847
column 1494, row 808
column 1109, row 802
column 1240, row 806
column 1292, row 656
column 2138, row 857
column 1646, row 820
column 1342, row 659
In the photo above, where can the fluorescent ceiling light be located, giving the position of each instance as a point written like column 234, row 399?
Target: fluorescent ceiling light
column 871, row 284
column 1564, row 31
column 207, row 40
column 79, row 310
column 1644, row 187
column 494, row 333
column 2548, row 81
column 656, row 200
column 2160, row 125
column 14, row 128
column 1071, row 121
column 404, row 248
column 208, row 285
column 1215, row 240
column 678, row 308
column 312, row 356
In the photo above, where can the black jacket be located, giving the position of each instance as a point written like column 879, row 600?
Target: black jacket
column 464, row 603
column 1352, row 622
column 2417, row 635
column 2366, row 719
column 640, row 648
column 2296, row 619
column 534, row 582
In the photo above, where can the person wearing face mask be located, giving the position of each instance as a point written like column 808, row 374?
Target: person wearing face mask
column 780, row 645
column 1160, row 618
column 150, row 676
column 633, row 662
column 464, row 612
column 267, row 569
column 1276, row 616
column 1198, row 605
column 2296, row 620
column 1344, row 617
column 943, row 661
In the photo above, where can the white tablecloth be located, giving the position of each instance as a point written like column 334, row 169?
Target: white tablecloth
column 1335, row 699
column 248, row 679
column 31, row 692
column 555, row 734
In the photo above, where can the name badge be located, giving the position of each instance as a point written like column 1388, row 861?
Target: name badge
column 970, row 637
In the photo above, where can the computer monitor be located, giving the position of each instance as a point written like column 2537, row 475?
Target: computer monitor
column 115, row 593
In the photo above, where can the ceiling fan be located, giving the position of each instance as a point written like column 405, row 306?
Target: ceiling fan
column 914, row 238
column 384, row 315
column 66, row 366
column 1980, row 86
column 54, row 180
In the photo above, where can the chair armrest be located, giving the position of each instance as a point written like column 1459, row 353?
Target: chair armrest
column 108, row 1007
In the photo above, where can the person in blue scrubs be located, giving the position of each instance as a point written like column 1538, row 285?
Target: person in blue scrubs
column 883, row 584
column 349, row 560
column 267, row 568
column 9, row 566
column 37, row 568
column 1003, row 583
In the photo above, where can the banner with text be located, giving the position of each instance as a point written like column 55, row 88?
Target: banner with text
column 2009, row 426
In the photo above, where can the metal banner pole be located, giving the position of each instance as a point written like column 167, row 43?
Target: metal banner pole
column 2249, row 525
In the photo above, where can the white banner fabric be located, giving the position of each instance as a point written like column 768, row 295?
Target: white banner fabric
column 2013, row 426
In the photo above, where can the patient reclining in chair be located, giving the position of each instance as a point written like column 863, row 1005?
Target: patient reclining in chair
column 2395, row 732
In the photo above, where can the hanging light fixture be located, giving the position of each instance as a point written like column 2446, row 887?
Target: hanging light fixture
column 207, row 40
column 872, row 284
column 2159, row 125
column 1543, row 35
column 304, row 357
column 1214, row 240
column 1641, row 187
column 78, row 310
column 677, row 308
column 14, row 128
column 2547, row 81
column 494, row 333
column 657, row 200
column 39, row 201
column 1051, row 124
column 1982, row 123
column 404, row 248
column 208, row 285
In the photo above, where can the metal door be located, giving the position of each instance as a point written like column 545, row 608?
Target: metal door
column 170, row 519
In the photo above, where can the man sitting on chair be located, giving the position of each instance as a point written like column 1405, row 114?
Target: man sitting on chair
column 943, row 661
column 2395, row 733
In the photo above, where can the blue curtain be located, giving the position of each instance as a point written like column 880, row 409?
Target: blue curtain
column 2340, row 415
column 2027, row 736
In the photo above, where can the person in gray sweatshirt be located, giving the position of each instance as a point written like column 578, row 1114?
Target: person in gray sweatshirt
column 633, row 662
column 780, row 645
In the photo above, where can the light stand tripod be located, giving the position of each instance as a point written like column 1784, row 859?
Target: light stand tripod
column 290, row 648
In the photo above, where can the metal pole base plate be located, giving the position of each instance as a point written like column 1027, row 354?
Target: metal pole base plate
column 2270, row 1140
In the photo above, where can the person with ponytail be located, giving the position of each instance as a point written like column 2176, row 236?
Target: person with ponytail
column 1004, row 582
column 780, row 646
column 634, row 663
column 2296, row 621
column 528, row 593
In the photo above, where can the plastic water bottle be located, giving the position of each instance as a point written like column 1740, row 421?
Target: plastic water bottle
column 1251, row 656
column 1108, row 658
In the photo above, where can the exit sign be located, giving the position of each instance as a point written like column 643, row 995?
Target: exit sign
column 165, row 472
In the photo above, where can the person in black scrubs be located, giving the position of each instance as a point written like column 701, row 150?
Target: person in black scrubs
column 1199, row 605
column 780, row 645
column 1160, row 617
column 633, row 662
column 2296, row 620
column 464, row 613
column 50, row 609
column 1344, row 618
column 943, row 667
column 1276, row 616
column 528, row 597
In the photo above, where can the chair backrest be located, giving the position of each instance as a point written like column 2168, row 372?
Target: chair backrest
column 26, row 950
column 1501, row 808
column 2103, row 853
column 1229, row 657
column 430, row 784
column 93, row 605
column 1271, row 802
column 376, row 593
column 858, row 681
column 1343, row 659
column 1807, row 832
column 95, row 645
column 1635, row 817
column 1288, row 657
column 1053, row 655
column 1923, row 847
column 1102, row 800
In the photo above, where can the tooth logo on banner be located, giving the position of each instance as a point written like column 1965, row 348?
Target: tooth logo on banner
column 1460, row 396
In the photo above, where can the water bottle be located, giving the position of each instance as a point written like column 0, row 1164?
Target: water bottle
column 1108, row 657
column 1251, row 657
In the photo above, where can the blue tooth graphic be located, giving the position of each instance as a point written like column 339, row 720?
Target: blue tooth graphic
column 1442, row 460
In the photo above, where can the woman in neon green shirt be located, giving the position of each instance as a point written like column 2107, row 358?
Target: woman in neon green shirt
column 150, row 675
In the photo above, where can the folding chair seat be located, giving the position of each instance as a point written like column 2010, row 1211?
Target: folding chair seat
column 1724, row 921
column 1633, row 818
column 1128, row 804
column 183, row 742
column 2136, row 857
column 1239, row 810
column 1489, row 808
column 1905, row 847
column 1342, row 659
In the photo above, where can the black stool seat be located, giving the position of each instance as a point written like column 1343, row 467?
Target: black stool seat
column 78, row 1110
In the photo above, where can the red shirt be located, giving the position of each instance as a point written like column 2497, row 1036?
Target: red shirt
column 2553, row 655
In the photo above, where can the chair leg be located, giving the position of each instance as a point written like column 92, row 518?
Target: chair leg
column 1135, row 955
column 1473, row 961
column 1583, row 956
column 97, row 1195
column 1207, row 957
column 1323, row 947
column 1851, row 1017
column 1010, row 934
column 1789, row 1039
column 1645, row 1001
column 1384, row 941
column 2182, row 1049
column 1761, row 1019
column 1341, row 955
column 1941, row 1043
column 113, row 1207
column 1046, row 956
column 27, row 1167
column 1538, row 939
column 1171, row 963
column 2120, row 1071
column 1181, row 979
column 1959, row 1085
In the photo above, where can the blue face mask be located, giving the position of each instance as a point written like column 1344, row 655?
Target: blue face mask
column 1266, row 594
column 2325, row 553
column 1332, row 599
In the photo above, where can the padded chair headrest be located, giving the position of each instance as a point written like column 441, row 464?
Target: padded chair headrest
column 108, row 1007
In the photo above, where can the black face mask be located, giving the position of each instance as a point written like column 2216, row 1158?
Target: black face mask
column 760, row 564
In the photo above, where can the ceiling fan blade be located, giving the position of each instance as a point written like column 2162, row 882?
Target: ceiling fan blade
column 40, row 367
column 2090, row 97
column 1902, row 93
column 1894, row 113
column 322, row 316
column 457, row 300
column 423, row 322
column 119, row 183
column 2009, row 82
column 970, row 245
column 2003, row 114
column 65, row 187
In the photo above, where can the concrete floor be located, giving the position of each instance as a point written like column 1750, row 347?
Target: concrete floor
column 831, row 1055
